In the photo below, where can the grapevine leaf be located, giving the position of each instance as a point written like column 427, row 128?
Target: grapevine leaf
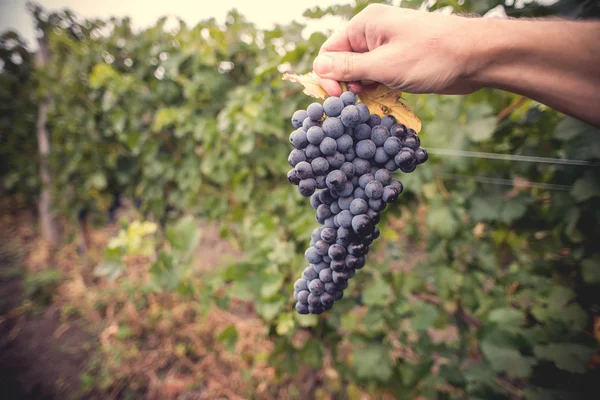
column 568, row 356
column 385, row 101
column 381, row 100
column 310, row 83
column 371, row 361
column 228, row 337
column 503, row 359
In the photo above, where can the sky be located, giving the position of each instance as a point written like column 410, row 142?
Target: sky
column 144, row 13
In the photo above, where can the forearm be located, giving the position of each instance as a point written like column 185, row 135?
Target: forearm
column 554, row 62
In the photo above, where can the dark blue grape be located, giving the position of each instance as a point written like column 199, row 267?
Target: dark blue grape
column 320, row 179
column 357, row 249
column 406, row 156
column 306, row 187
column 336, row 252
column 319, row 165
column 345, row 218
column 312, row 152
column 300, row 284
column 292, row 177
column 363, row 110
column 365, row 179
column 348, row 169
column 374, row 215
column 316, row 287
column 399, row 131
column 361, row 223
column 376, row 233
column 398, row 185
column 315, row 135
column 335, row 207
column 312, row 256
column 361, row 166
column 347, row 190
column 317, row 310
column 327, row 300
column 362, row 132
column 350, row 273
column 383, row 176
column 379, row 135
column 365, row 149
column 359, row 206
column 348, row 98
column 308, row 123
column 336, row 179
column 302, row 308
column 392, row 145
column 298, row 139
column 336, row 160
column 315, row 111
column 329, row 223
column 316, row 233
column 344, row 202
column 359, row 193
column 354, row 180
column 326, row 197
column 338, row 295
column 295, row 157
column 323, row 212
column 390, row 194
column 344, row 233
column 374, row 120
column 298, row 118
column 330, row 287
column 339, row 277
column 388, row 121
column 333, row 127
column 315, row 201
column 313, row 299
column 329, row 235
column 303, row 296
column 377, row 204
column 421, row 155
column 350, row 116
column 391, row 165
column 350, row 154
column 381, row 157
column 408, row 168
column 338, row 265
column 412, row 142
column 344, row 143
column 304, row 170
column 309, row 273
column 333, row 106
column 325, row 275
column 328, row 146
column 321, row 247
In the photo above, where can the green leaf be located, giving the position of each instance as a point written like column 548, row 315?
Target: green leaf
column 371, row 361
column 568, row 356
column 312, row 354
column 442, row 221
column 183, row 236
column 377, row 293
column 271, row 283
column 585, row 188
column 590, row 270
column 228, row 337
column 424, row 316
column 269, row 310
column 507, row 360
column 570, row 128
column 109, row 269
column 507, row 318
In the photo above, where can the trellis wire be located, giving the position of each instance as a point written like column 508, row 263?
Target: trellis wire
column 509, row 157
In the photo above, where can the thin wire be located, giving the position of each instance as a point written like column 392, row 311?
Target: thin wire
column 507, row 182
column 508, row 157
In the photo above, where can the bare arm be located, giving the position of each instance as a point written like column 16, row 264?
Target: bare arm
column 555, row 62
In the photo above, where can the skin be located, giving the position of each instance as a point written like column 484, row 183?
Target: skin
column 555, row 62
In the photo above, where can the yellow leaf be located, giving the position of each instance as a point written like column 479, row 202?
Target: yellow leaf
column 385, row 101
column 380, row 100
column 310, row 83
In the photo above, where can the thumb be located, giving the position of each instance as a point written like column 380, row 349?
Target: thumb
column 345, row 66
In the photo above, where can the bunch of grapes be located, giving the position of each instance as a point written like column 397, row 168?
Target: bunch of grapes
column 343, row 159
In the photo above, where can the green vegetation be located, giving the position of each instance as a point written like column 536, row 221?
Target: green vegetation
column 193, row 123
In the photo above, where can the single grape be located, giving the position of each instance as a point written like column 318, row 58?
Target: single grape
column 359, row 206
column 330, row 287
column 390, row 194
column 338, row 295
column 339, row 277
column 357, row 249
column 399, row 131
column 329, row 235
column 412, row 142
column 292, row 177
column 315, row 111
column 308, row 123
column 348, row 98
column 315, row 135
column 313, row 299
column 397, row 185
column 388, row 121
column 347, row 190
column 316, row 287
column 391, row 165
column 379, row 134
column 381, row 157
column 298, row 118
column 327, row 300
column 328, row 146
column 338, row 265
column 315, row 201
column 333, row 106
column 344, row 233
column 336, row 160
column 302, row 308
column 408, row 168
column 351, row 273
column 309, row 273
column 350, row 154
column 306, row 187
column 406, row 156
column 350, row 116
column 348, row 169
column 354, row 180
column 320, row 179
column 362, row 132
column 335, row 207
column 344, row 143
column 363, row 110
column 361, row 223
column 295, row 157
column 336, row 179
column 374, row 120
column 365, row 149
column 317, row 310
column 323, row 212
column 361, row 166
column 345, row 218
column 392, row 145
column 304, row 170
column 359, row 193
column 333, row 127
column 421, row 155
column 325, row 275
column 303, row 296
column 298, row 139
column 329, row 223
column 312, row 256
column 383, row 176
column 300, row 284
column 365, row 179
column 336, row 252
column 319, row 165
column 377, row 204
column 312, row 151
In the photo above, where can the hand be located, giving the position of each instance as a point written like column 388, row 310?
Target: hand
column 412, row 51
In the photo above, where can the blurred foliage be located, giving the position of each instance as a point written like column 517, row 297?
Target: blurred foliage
column 195, row 121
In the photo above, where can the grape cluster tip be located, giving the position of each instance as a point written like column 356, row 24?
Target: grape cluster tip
column 343, row 159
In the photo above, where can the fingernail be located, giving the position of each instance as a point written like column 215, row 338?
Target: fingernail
column 323, row 65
